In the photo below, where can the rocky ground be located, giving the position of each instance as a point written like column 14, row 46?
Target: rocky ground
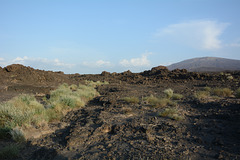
column 110, row 128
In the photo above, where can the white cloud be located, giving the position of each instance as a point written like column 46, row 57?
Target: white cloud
column 136, row 62
column 99, row 63
column 37, row 62
column 20, row 59
column 233, row 45
column 1, row 59
column 202, row 34
column 57, row 62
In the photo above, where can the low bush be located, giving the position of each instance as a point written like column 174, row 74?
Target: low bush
column 67, row 97
column 222, row 92
column 24, row 110
column 171, row 113
column 21, row 110
column 17, row 134
column 159, row 102
column 168, row 92
column 177, row 96
column 133, row 100
column 202, row 94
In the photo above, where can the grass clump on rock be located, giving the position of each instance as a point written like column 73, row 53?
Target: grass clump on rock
column 177, row 96
column 68, row 97
column 222, row 92
column 171, row 113
column 23, row 110
column 168, row 92
column 158, row 102
column 202, row 94
column 133, row 100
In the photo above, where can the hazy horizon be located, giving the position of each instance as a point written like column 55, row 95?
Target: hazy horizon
column 92, row 36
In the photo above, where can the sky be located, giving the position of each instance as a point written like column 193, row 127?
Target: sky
column 91, row 36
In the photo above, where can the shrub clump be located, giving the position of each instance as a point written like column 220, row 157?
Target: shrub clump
column 17, row 134
column 177, row 96
column 133, row 100
column 168, row 92
column 68, row 97
column 222, row 92
column 159, row 102
column 25, row 111
column 171, row 113
column 21, row 111
column 202, row 95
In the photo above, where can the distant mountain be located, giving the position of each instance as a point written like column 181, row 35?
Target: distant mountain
column 207, row 64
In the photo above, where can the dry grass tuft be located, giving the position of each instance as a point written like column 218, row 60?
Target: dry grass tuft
column 177, row 96
column 222, row 92
column 202, row 95
column 158, row 102
column 168, row 92
column 171, row 113
column 133, row 100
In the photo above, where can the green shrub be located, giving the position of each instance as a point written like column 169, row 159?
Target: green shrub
column 171, row 113
column 168, row 92
column 222, row 92
column 237, row 93
column 67, row 97
column 10, row 151
column 134, row 100
column 177, row 96
column 21, row 110
column 24, row 110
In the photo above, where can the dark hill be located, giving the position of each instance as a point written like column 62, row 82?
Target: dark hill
column 207, row 64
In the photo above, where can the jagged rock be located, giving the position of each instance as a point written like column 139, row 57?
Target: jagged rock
column 105, row 73
column 14, row 67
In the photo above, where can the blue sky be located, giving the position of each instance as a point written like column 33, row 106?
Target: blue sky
column 90, row 36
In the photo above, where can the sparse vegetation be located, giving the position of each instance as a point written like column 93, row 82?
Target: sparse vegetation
column 25, row 110
column 171, row 113
column 17, row 134
column 237, row 93
column 177, row 96
column 202, row 95
column 158, row 102
column 215, row 93
column 168, row 92
column 222, row 92
column 68, row 97
column 94, row 84
column 133, row 100
column 21, row 111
